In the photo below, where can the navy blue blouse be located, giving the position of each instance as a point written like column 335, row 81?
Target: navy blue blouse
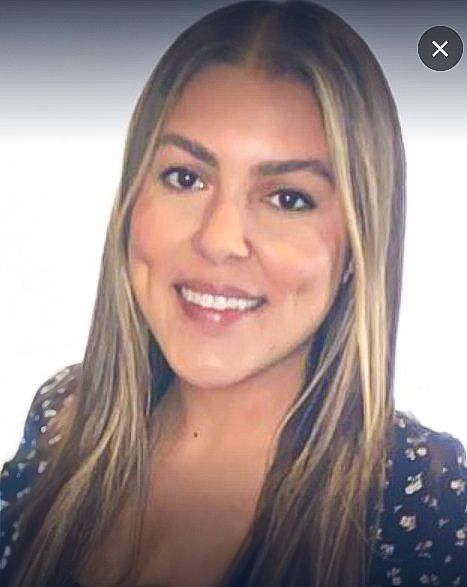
column 421, row 538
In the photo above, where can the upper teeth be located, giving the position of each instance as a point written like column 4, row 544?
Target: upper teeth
column 218, row 302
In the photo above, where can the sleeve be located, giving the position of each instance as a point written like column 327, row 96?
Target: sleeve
column 423, row 530
column 18, row 475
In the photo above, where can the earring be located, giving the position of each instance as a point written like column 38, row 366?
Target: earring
column 348, row 272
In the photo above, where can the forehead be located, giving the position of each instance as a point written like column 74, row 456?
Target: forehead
column 231, row 109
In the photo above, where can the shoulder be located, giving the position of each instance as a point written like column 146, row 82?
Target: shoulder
column 422, row 533
column 426, row 466
column 45, row 422
column 46, row 415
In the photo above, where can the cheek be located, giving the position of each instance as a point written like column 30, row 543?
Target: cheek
column 306, row 261
column 148, row 251
column 142, row 234
column 151, row 240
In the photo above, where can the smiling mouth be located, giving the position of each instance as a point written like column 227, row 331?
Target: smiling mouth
column 218, row 303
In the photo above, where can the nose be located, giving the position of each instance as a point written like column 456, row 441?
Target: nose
column 222, row 234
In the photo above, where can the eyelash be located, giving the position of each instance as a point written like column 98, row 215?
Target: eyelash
column 165, row 175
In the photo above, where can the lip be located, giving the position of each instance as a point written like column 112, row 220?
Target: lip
column 219, row 289
column 214, row 322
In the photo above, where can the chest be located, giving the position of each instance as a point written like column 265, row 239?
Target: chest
column 194, row 524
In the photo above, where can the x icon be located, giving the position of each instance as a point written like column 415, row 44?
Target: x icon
column 440, row 54
column 439, row 48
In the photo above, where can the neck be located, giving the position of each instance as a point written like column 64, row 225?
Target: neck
column 242, row 416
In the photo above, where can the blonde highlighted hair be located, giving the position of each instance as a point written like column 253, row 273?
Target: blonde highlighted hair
column 319, row 500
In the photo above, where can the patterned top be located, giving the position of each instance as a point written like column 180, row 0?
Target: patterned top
column 422, row 532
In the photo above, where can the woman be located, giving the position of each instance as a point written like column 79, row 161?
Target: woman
column 232, row 422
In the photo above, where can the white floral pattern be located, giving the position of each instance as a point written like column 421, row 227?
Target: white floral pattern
column 423, row 541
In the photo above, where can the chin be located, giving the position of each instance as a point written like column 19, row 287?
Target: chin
column 209, row 380
column 210, row 377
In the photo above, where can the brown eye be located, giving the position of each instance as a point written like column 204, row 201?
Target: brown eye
column 288, row 199
column 182, row 178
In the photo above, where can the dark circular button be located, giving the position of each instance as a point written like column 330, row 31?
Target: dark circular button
column 440, row 48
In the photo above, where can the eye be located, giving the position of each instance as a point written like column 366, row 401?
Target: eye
column 288, row 199
column 182, row 178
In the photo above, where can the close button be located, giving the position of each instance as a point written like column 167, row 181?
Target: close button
column 440, row 48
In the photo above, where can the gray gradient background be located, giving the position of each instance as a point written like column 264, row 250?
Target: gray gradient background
column 70, row 74
column 85, row 62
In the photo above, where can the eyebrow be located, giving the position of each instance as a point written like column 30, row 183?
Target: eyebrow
column 315, row 166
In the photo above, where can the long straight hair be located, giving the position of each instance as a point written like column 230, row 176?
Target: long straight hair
column 318, row 502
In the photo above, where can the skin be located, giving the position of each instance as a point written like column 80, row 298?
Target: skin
column 231, row 226
column 233, row 386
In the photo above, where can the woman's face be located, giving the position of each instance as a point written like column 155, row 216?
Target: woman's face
column 239, row 195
